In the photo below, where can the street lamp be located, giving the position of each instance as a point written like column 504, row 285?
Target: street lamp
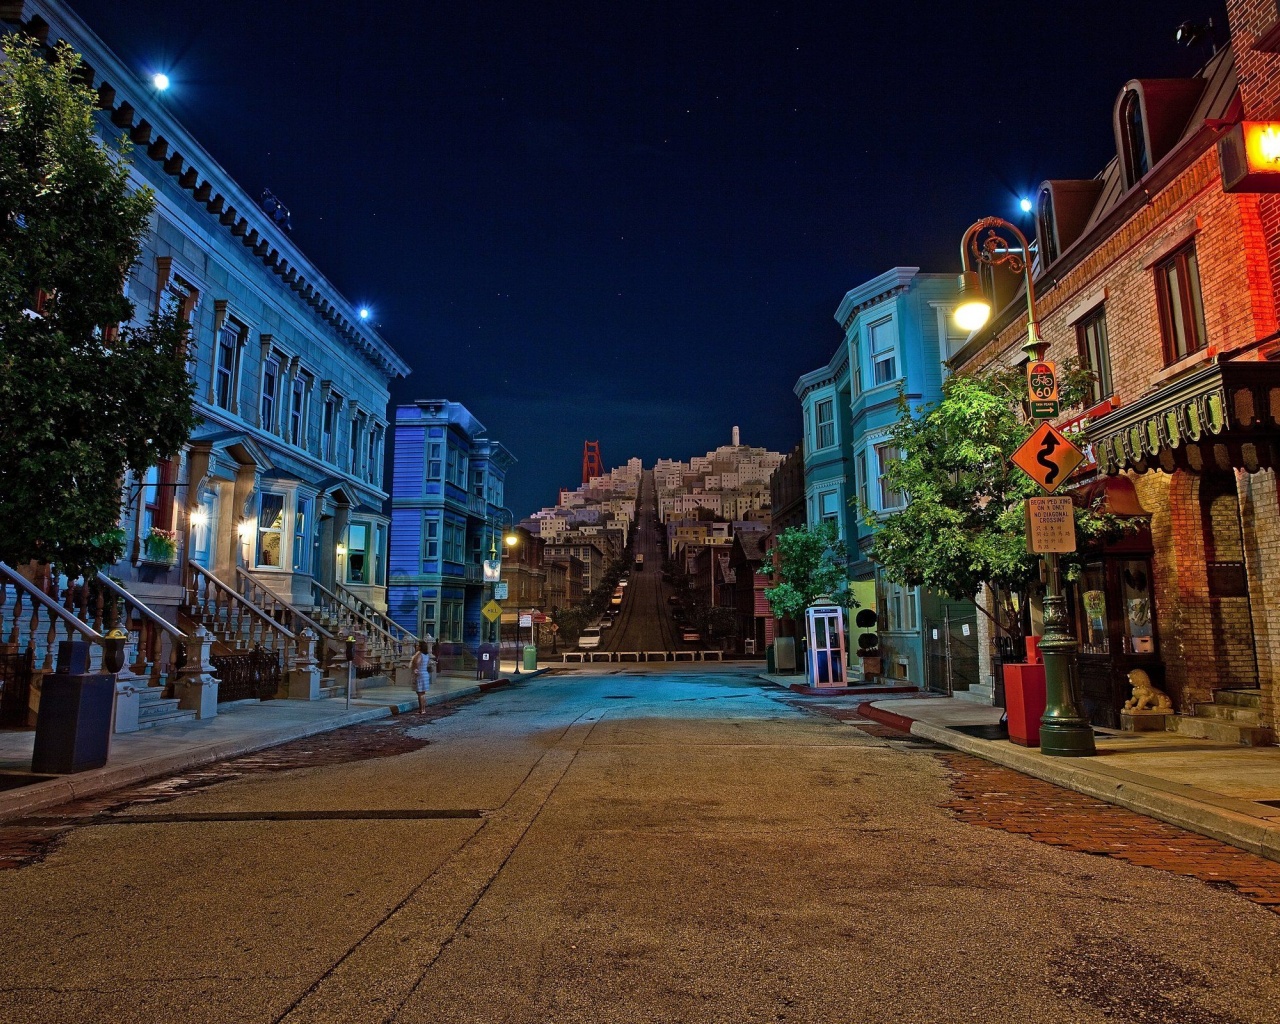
column 1064, row 729
column 510, row 539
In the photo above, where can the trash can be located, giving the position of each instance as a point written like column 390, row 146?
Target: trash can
column 530, row 658
column 487, row 661
column 73, row 727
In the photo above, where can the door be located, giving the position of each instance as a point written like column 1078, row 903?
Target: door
column 204, row 529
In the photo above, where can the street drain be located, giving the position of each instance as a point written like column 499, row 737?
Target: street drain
column 196, row 817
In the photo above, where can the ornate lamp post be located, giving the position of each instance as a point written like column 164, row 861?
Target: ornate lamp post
column 1064, row 730
column 510, row 540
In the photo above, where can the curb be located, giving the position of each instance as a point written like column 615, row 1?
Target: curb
column 102, row 780
column 850, row 691
column 1214, row 816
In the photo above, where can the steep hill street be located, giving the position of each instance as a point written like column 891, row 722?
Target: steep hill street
column 645, row 620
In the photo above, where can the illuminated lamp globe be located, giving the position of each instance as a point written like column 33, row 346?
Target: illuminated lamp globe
column 974, row 309
column 1024, row 205
column 511, row 540
column 364, row 313
column 160, row 80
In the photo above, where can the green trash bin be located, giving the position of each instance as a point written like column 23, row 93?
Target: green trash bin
column 530, row 658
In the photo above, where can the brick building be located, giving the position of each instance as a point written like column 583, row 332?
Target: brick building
column 1165, row 284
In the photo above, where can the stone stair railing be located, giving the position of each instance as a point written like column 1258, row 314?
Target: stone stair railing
column 236, row 621
column 155, row 657
column 290, row 616
column 389, row 644
column 31, row 619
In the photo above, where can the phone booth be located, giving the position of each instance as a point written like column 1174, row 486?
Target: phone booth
column 825, row 630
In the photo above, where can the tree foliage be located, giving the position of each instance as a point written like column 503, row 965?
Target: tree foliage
column 811, row 562
column 81, row 403
column 963, row 525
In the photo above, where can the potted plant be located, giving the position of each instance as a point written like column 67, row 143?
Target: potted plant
column 160, row 546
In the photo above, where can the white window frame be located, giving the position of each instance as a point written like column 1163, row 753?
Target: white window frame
column 820, row 423
column 884, row 356
column 879, row 449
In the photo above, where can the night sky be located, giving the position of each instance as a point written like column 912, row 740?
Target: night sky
column 634, row 221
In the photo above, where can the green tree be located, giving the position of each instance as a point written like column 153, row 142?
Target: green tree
column 811, row 562
column 82, row 400
column 963, row 525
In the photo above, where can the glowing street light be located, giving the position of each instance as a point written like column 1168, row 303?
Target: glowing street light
column 160, row 80
column 1024, row 204
column 974, row 310
column 364, row 312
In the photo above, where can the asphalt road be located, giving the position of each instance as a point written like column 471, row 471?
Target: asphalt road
column 644, row 623
column 651, row 846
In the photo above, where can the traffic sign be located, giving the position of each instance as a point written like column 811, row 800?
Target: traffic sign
column 492, row 611
column 1047, row 457
column 526, row 621
column 1042, row 389
column 1051, row 525
column 492, row 570
column 500, row 591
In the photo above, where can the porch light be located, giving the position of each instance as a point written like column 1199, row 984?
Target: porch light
column 199, row 517
column 974, row 309
column 341, row 550
column 245, row 529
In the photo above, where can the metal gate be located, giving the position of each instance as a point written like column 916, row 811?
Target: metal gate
column 15, row 687
column 247, row 675
column 951, row 653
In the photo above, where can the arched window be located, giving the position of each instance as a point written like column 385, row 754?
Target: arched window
column 1045, row 231
column 1137, row 161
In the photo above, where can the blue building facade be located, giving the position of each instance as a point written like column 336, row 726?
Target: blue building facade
column 897, row 335
column 447, row 486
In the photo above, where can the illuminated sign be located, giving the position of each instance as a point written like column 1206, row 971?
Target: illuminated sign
column 1250, row 157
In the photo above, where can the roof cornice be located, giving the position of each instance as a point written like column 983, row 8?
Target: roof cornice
column 871, row 292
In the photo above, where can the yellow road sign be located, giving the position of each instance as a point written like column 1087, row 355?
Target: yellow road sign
column 1048, row 457
column 492, row 611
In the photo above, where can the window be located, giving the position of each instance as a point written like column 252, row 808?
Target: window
column 357, row 553
column 899, row 606
column 1137, row 161
column 301, row 524
column 371, row 459
column 884, row 344
column 829, row 507
column 826, row 417
column 890, row 497
column 379, row 546
column 1091, row 336
column 270, row 528
column 428, row 628
column 864, row 484
column 227, row 365
column 456, row 465
column 270, row 393
column 477, row 482
column 432, row 550
column 435, row 465
column 1045, row 233
column 1181, row 306
column 353, row 443
column 298, row 411
column 157, row 500
column 326, row 427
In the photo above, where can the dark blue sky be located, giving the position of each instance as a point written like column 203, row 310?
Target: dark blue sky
column 634, row 221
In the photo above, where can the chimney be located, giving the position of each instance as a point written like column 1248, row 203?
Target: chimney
column 736, row 442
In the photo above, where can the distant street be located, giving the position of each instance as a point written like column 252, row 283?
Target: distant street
column 645, row 621
column 618, row 846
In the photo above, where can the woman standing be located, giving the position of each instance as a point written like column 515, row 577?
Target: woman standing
column 421, row 668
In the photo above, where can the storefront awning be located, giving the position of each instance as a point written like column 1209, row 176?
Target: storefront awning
column 1226, row 416
column 1111, row 495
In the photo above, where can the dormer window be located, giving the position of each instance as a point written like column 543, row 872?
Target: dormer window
column 1133, row 134
column 1046, row 228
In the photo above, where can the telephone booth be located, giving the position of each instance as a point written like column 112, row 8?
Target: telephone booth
column 825, row 632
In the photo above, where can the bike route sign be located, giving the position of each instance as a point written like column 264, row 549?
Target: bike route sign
column 1042, row 389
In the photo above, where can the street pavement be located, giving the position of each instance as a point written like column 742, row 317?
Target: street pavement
column 645, row 620
column 670, row 844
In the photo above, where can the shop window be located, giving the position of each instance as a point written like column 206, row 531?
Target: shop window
column 1091, row 610
column 270, row 531
column 358, row 553
column 1181, row 304
column 1095, row 353
column 301, row 528
column 1135, row 590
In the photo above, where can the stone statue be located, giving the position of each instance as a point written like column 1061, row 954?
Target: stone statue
column 1147, row 697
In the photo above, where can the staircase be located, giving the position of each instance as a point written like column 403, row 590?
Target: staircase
column 1233, row 716
column 155, row 710
column 387, row 644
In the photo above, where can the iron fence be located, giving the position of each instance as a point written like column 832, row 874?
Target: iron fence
column 247, row 675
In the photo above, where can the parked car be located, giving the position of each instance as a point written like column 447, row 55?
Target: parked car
column 589, row 638
column 690, row 636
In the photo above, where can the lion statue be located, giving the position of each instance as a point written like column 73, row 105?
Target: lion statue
column 1147, row 697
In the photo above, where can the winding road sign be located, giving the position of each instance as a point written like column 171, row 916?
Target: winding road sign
column 1047, row 457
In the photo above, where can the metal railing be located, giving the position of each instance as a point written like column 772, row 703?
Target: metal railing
column 232, row 618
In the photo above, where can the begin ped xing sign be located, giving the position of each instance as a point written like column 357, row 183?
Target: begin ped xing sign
column 1042, row 389
column 1047, row 457
column 1051, row 526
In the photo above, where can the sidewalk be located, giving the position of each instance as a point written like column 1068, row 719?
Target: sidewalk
column 1230, row 793
column 238, row 728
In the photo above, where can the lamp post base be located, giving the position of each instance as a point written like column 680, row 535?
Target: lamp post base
column 1061, row 739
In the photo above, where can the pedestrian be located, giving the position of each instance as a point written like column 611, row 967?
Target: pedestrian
column 421, row 668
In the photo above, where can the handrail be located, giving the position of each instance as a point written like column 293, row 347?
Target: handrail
column 133, row 602
column 363, row 619
column 307, row 621
column 40, row 597
column 362, row 608
column 239, row 599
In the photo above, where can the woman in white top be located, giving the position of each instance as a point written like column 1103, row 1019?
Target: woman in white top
column 421, row 668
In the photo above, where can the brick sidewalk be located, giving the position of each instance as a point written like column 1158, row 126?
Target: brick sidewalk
column 991, row 796
column 28, row 841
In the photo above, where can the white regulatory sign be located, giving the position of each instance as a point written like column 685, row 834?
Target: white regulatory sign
column 1051, row 525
